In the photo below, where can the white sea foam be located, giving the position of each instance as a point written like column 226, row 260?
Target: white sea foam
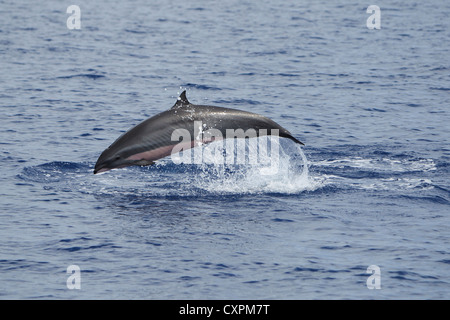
column 383, row 165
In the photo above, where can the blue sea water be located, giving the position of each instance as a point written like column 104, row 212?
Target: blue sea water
column 371, row 106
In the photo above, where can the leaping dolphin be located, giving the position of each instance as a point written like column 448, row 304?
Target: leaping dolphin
column 152, row 139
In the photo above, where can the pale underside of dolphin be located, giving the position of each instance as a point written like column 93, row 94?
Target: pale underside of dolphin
column 152, row 139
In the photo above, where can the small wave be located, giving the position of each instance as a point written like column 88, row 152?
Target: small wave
column 427, row 198
column 200, row 87
column 238, row 102
column 82, row 75
column 22, row 264
column 136, row 31
column 440, row 88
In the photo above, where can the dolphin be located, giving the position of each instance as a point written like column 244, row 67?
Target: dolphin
column 153, row 139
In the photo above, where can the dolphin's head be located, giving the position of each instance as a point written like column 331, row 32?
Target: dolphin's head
column 124, row 152
column 111, row 159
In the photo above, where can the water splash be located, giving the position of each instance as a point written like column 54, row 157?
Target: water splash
column 286, row 173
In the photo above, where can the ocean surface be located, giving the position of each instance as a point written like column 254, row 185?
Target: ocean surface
column 371, row 186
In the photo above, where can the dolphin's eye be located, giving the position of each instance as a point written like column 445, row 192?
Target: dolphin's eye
column 117, row 158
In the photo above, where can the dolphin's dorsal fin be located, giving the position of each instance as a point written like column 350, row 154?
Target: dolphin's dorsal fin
column 182, row 100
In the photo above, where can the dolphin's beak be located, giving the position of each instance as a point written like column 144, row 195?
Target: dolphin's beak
column 109, row 164
column 103, row 165
column 100, row 170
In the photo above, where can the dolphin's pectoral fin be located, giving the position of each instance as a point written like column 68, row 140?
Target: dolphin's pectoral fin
column 144, row 162
column 182, row 100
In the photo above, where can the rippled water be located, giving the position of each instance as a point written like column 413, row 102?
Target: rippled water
column 370, row 187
